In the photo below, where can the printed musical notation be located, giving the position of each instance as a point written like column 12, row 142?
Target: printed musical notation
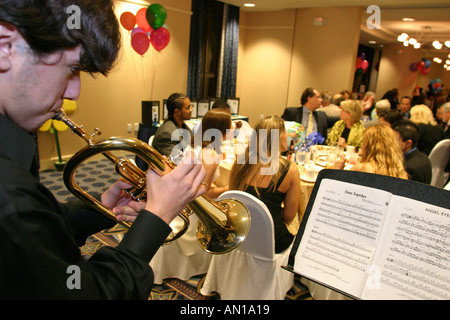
column 353, row 229
column 417, row 259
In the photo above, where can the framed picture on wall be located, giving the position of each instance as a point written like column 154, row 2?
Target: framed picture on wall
column 165, row 112
column 202, row 107
column 155, row 111
column 194, row 105
column 234, row 105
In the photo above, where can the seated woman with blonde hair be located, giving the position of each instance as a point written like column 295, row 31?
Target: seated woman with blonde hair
column 380, row 153
column 263, row 173
column 349, row 129
column 429, row 131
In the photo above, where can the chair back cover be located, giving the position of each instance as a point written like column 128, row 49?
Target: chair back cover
column 439, row 157
column 260, row 238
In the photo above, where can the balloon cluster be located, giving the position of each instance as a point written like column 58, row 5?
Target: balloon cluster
column 150, row 28
column 423, row 66
column 361, row 64
column 435, row 85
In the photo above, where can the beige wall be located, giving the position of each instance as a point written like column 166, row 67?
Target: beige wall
column 113, row 102
column 281, row 53
column 264, row 62
column 324, row 57
column 394, row 69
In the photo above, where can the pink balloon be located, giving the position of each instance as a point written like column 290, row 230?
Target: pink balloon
column 140, row 42
column 160, row 38
column 364, row 65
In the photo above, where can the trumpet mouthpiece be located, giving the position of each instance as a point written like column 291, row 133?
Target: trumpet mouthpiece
column 59, row 115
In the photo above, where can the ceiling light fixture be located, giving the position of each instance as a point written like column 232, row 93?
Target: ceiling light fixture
column 408, row 19
column 406, row 40
column 249, row 5
column 402, row 37
column 437, row 45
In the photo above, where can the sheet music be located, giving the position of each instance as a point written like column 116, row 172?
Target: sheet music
column 341, row 236
column 415, row 262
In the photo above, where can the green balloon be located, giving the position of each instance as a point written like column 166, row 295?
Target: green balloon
column 156, row 15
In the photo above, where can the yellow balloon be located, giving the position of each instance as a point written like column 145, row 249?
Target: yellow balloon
column 59, row 125
column 46, row 125
column 69, row 106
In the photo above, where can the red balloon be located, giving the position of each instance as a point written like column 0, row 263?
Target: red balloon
column 425, row 71
column 160, row 38
column 358, row 63
column 141, row 19
column 127, row 20
column 364, row 65
column 140, row 42
column 136, row 30
column 436, row 85
column 420, row 65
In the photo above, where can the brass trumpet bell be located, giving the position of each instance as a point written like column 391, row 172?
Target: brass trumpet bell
column 222, row 225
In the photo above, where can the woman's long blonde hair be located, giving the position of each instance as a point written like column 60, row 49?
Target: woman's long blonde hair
column 247, row 169
column 380, row 148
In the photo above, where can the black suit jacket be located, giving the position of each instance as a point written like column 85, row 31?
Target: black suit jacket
column 418, row 166
column 296, row 114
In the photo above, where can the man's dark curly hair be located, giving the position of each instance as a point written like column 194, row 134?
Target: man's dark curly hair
column 43, row 24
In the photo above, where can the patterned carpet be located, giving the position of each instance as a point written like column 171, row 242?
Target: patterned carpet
column 96, row 176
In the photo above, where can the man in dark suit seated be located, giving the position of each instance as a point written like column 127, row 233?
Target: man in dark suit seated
column 310, row 101
column 179, row 109
column 417, row 163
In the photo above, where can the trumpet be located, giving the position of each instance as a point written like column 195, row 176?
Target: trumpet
column 222, row 225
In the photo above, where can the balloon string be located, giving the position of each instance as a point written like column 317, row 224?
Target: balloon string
column 153, row 73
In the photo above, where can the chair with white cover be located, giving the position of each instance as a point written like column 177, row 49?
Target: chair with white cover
column 150, row 140
column 439, row 157
column 252, row 271
column 181, row 259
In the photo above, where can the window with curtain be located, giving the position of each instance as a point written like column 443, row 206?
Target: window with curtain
column 213, row 47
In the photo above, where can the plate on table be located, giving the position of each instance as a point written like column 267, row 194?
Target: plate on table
column 305, row 178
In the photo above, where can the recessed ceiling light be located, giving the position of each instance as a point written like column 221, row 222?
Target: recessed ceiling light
column 249, row 5
column 408, row 19
column 372, row 41
column 402, row 37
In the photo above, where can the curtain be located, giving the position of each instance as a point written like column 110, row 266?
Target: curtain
column 196, row 49
column 230, row 55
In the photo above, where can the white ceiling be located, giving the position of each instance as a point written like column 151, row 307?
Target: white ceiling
column 432, row 18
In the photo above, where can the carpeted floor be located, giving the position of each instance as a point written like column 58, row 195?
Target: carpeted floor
column 96, row 176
